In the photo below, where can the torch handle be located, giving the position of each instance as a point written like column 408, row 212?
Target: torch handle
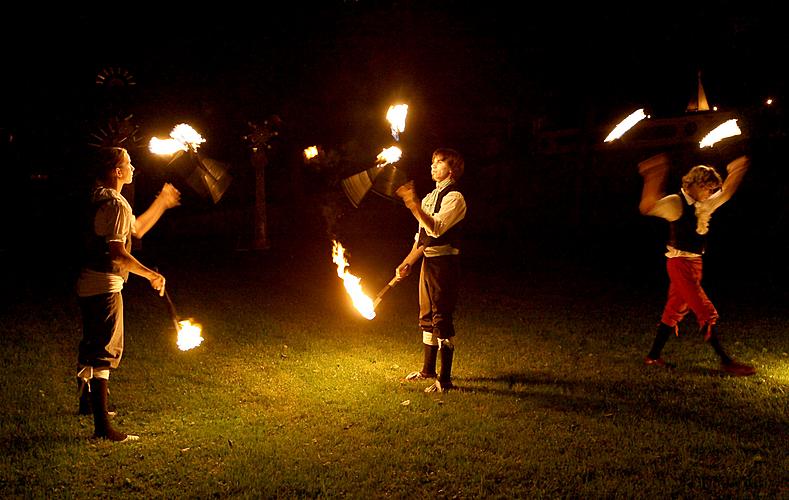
column 171, row 307
column 410, row 259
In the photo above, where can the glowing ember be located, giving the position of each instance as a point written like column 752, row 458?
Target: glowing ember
column 311, row 152
column 396, row 117
column 361, row 302
column 165, row 146
column 189, row 335
column 626, row 124
column 182, row 138
column 388, row 155
column 726, row 129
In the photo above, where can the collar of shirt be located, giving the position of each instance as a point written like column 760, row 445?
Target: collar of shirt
column 708, row 201
column 446, row 182
column 688, row 199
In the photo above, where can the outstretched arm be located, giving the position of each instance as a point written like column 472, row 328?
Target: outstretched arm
column 735, row 172
column 169, row 197
column 654, row 170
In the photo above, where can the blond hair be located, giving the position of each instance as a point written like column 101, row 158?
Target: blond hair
column 702, row 176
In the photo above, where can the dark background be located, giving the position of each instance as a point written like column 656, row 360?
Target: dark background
column 489, row 79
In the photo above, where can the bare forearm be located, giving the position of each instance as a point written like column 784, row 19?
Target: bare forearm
column 736, row 171
column 421, row 216
column 654, row 171
column 150, row 217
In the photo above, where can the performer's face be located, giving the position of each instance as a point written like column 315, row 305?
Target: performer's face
column 126, row 169
column 701, row 193
column 440, row 169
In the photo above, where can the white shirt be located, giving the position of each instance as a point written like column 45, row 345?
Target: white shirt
column 453, row 210
column 115, row 222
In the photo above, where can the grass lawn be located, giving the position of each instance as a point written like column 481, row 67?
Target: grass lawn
column 293, row 394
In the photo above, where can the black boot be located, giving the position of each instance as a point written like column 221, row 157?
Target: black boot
column 429, row 363
column 663, row 333
column 447, row 354
column 85, row 406
column 101, row 421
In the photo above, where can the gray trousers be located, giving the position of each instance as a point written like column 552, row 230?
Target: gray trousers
column 102, row 330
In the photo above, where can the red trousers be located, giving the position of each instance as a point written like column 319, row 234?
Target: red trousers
column 685, row 293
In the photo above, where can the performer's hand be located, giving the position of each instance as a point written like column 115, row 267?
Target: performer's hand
column 655, row 165
column 169, row 196
column 740, row 164
column 157, row 282
column 402, row 271
column 408, row 194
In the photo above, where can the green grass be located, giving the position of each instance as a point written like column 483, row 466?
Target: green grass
column 294, row 395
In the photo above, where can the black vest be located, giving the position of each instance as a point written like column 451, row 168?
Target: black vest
column 682, row 232
column 96, row 250
column 453, row 234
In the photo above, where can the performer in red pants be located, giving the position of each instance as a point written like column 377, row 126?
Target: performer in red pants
column 689, row 213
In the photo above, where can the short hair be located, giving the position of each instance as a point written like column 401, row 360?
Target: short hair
column 107, row 160
column 454, row 161
column 702, row 176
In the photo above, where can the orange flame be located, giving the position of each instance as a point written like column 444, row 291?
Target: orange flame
column 726, row 129
column 165, row 146
column 361, row 302
column 182, row 138
column 396, row 118
column 189, row 335
column 389, row 155
column 311, row 152
column 626, row 124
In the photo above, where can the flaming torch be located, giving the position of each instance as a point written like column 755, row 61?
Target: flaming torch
column 212, row 175
column 182, row 138
column 361, row 302
column 726, row 129
column 626, row 124
column 396, row 118
column 388, row 155
column 189, row 334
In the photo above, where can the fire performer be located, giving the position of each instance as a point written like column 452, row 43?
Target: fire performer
column 440, row 217
column 689, row 213
column 106, row 264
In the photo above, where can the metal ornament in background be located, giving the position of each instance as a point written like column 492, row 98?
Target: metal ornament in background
column 381, row 180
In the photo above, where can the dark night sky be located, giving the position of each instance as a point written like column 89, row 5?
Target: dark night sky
column 331, row 71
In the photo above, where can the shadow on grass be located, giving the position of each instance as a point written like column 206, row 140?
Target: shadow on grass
column 667, row 400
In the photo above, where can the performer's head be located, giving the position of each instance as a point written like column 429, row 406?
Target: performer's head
column 701, row 182
column 452, row 159
column 112, row 163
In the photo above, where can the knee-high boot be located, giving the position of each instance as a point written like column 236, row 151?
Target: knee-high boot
column 447, row 351
column 429, row 363
column 85, row 406
column 101, row 421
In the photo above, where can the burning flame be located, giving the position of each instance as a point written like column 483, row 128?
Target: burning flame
column 361, row 302
column 183, row 138
column 626, row 124
column 726, row 129
column 311, row 152
column 165, row 146
column 189, row 335
column 388, row 155
column 396, row 117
